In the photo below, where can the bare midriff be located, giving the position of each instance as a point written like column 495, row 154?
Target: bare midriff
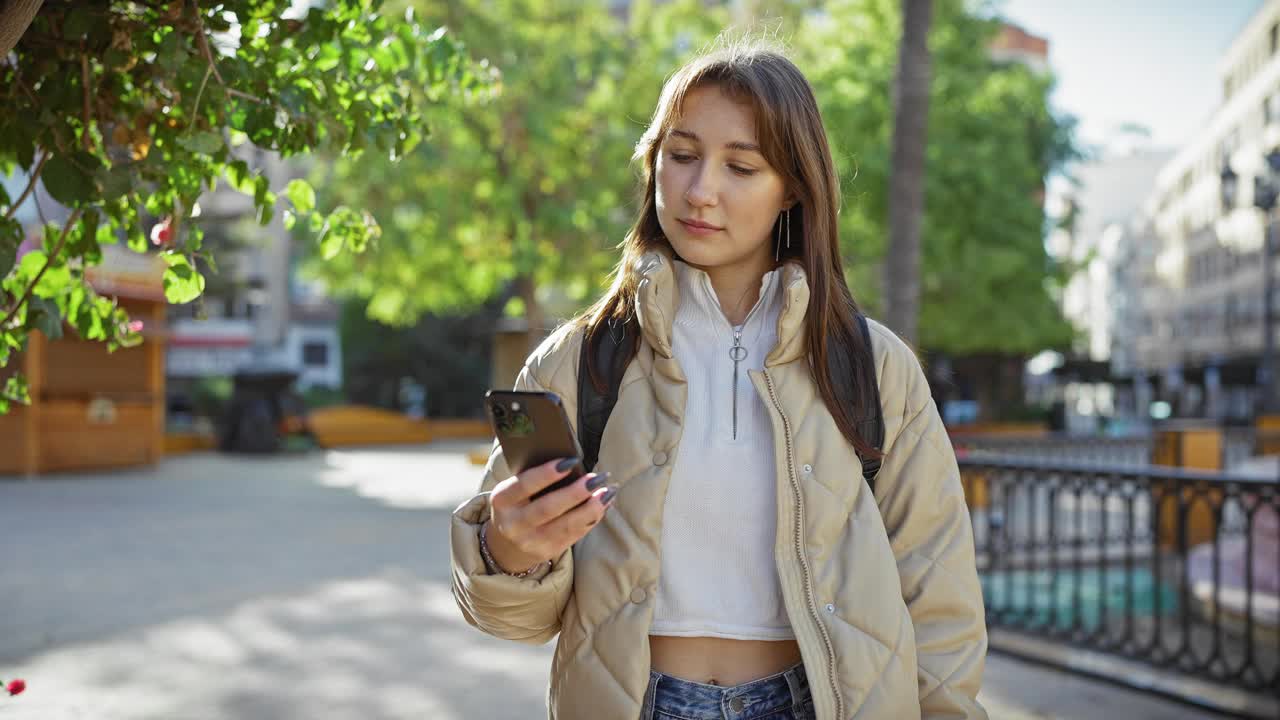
column 721, row 661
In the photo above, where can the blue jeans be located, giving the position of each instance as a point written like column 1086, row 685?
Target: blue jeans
column 784, row 696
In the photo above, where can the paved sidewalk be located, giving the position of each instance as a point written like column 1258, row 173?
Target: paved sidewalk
column 311, row 587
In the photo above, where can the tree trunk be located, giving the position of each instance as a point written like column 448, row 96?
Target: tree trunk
column 906, row 172
column 15, row 18
column 532, row 311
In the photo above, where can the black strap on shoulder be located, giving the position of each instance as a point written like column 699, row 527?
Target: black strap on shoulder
column 871, row 427
column 612, row 351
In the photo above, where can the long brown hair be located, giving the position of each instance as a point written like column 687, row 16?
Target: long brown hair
column 793, row 140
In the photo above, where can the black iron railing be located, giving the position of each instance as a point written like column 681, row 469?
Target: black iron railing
column 1238, row 444
column 1174, row 569
column 1129, row 450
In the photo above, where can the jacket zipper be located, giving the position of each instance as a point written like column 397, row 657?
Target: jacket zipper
column 804, row 564
column 737, row 354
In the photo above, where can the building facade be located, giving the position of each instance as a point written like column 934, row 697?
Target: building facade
column 256, row 308
column 1200, row 318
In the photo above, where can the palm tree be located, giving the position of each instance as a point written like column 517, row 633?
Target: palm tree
column 906, row 172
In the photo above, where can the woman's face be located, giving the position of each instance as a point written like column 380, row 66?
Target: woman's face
column 717, row 198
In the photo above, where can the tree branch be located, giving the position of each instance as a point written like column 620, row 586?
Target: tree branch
column 57, row 249
column 237, row 93
column 40, row 210
column 85, row 137
column 31, row 185
column 203, row 41
column 195, row 111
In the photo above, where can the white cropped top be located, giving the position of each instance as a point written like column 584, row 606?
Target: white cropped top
column 718, row 576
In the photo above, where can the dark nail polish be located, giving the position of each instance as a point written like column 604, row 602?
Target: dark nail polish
column 597, row 481
column 566, row 464
column 608, row 496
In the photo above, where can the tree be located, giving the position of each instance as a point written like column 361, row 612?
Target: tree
column 986, row 283
column 985, row 274
column 907, row 170
column 129, row 110
column 534, row 189
column 449, row 356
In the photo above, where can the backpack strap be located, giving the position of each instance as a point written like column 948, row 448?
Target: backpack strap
column 871, row 427
column 612, row 351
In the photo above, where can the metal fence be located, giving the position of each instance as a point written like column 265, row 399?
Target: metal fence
column 1237, row 445
column 1174, row 569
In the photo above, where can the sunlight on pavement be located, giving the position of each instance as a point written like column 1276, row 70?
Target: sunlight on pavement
column 378, row 647
column 403, row 478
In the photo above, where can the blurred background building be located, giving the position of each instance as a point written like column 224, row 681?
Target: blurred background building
column 1199, row 334
column 1167, row 290
column 256, row 309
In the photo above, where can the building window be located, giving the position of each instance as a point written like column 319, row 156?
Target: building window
column 315, row 354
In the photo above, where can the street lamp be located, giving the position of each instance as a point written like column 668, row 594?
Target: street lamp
column 1230, row 182
column 1266, row 190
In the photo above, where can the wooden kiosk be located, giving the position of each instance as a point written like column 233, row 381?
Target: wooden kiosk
column 91, row 409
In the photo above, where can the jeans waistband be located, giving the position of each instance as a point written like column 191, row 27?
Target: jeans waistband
column 699, row 701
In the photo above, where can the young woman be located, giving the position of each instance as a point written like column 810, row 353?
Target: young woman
column 733, row 562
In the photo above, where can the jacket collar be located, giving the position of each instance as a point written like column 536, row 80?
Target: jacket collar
column 659, row 296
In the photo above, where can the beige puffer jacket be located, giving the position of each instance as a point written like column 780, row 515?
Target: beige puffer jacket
column 882, row 592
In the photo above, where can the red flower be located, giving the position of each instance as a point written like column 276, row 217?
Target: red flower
column 16, row 686
column 162, row 233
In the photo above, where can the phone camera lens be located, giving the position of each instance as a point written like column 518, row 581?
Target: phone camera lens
column 499, row 411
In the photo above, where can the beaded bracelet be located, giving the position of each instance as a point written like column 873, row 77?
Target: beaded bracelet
column 493, row 564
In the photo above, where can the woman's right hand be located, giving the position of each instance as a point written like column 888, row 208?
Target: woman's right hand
column 524, row 532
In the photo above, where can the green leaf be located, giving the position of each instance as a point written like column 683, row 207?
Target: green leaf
column 16, row 390
column 54, row 281
column 118, row 182
column 10, row 239
column 348, row 228
column 289, row 218
column 266, row 209
column 107, row 234
column 331, row 241
column 240, row 178
column 43, row 315
column 301, row 194
column 203, row 143
column 328, row 59
column 78, row 22
column 69, row 180
column 182, row 282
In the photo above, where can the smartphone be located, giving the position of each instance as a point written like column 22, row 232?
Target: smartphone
column 533, row 428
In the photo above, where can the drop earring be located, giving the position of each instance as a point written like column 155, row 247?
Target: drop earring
column 777, row 245
column 788, row 216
